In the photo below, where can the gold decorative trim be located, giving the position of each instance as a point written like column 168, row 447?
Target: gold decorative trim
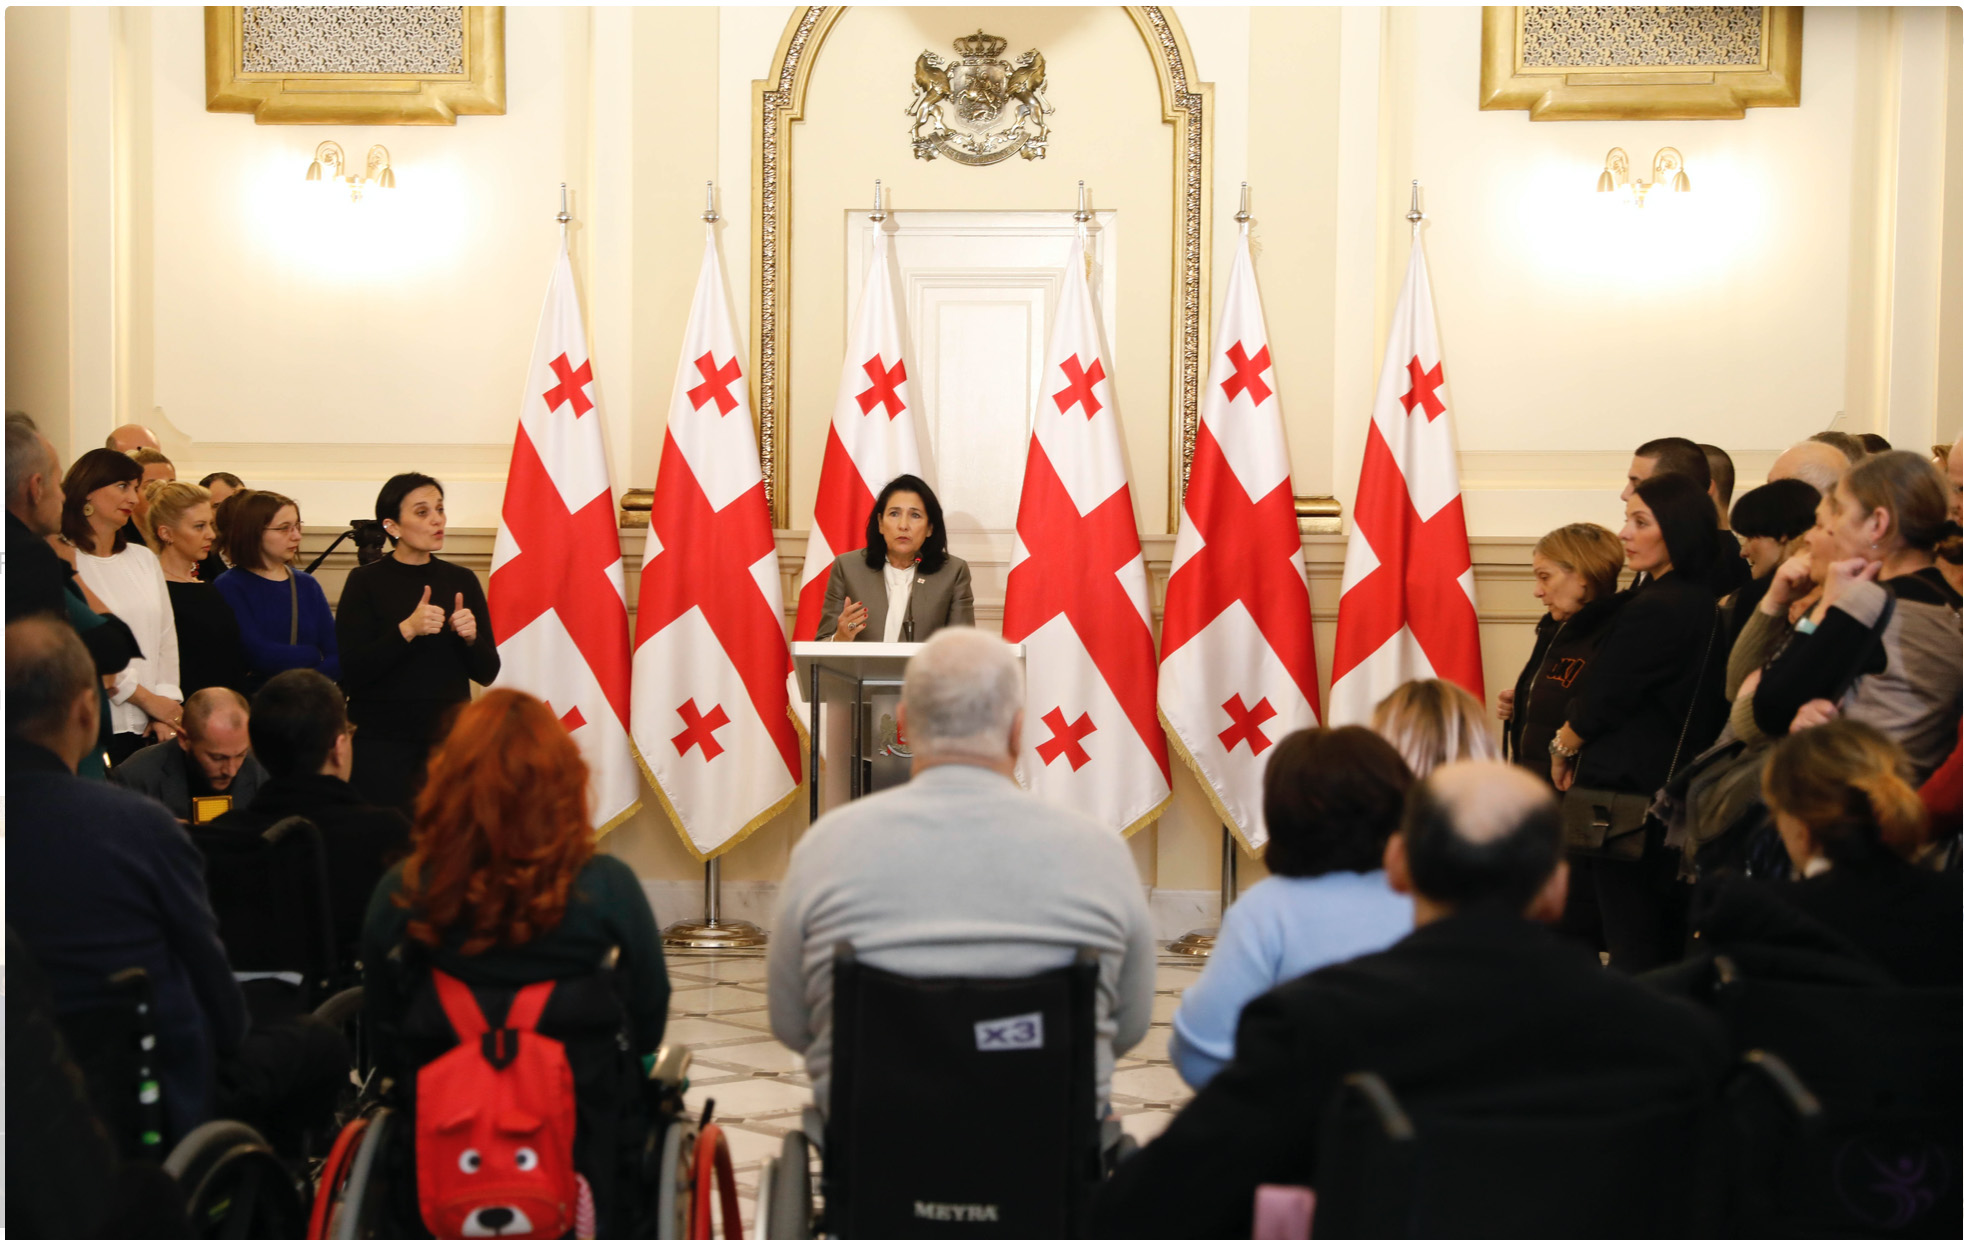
column 356, row 98
column 780, row 100
column 1179, row 746
column 1637, row 92
column 745, row 832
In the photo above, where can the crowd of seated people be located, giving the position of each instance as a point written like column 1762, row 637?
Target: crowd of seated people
column 1753, row 741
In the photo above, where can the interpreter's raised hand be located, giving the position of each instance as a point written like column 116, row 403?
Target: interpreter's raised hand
column 425, row 620
column 462, row 622
column 1844, row 573
column 1792, row 579
column 852, row 622
column 1505, row 706
column 1813, row 714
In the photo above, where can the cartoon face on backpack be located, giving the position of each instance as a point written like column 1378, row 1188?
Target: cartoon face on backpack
column 494, row 1125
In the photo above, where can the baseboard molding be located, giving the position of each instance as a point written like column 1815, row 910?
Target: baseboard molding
column 1174, row 912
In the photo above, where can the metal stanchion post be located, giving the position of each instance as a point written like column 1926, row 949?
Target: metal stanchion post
column 1201, row 942
column 711, row 931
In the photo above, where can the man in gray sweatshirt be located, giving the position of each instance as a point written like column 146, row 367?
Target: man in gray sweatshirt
column 959, row 872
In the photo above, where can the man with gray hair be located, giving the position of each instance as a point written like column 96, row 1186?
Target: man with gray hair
column 1482, row 1014
column 959, row 872
column 209, row 769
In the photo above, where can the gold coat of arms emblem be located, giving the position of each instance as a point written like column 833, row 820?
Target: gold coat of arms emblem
column 962, row 106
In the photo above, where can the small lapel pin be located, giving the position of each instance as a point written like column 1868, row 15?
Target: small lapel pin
column 920, row 581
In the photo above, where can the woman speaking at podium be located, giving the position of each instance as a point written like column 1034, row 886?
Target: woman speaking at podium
column 904, row 586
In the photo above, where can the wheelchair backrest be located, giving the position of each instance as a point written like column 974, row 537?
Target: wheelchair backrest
column 966, row 1101
column 115, row 1046
column 270, row 894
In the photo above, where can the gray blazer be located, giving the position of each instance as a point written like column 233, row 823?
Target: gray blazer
column 162, row 772
column 939, row 599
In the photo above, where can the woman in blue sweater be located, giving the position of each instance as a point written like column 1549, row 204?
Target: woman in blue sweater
column 1331, row 797
column 283, row 613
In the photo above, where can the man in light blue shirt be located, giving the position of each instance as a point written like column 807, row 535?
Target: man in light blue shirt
column 959, row 872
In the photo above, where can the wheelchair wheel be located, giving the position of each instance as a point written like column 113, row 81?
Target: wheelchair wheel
column 785, row 1204
column 234, row 1185
column 357, row 1214
column 677, row 1181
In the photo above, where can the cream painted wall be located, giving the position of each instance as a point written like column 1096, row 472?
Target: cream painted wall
column 177, row 265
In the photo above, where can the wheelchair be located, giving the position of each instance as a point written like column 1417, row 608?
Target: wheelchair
column 647, row 1161
column 235, row 1186
column 1016, row 1056
column 269, row 892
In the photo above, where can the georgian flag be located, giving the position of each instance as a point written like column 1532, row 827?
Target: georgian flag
column 1237, row 669
column 1407, row 610
column 1076, row 596
column 712, row 717
column 871, row 441
column 557, row 597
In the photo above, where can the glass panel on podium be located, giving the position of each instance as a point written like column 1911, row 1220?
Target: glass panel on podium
column 853, row 690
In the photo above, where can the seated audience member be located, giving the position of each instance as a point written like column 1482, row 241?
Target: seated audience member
column 1331, row 798
column 1850, row 447
column 222, row 486
column 1480, row 1010
column 504, row 887
column 129, row 437
column 301, row 735
column 282, row 612
column 1770, row 522
column 1817, row 464
column 211, row 757
column 1883, row 644
column 1575, row 570
column 1719, row 461
column 1850, row 821
column 1727, row 572
column 102, row 879
column 959, row 872
column 1433, row 722
column 210, row 650
column 1791, row 593
column 156, row 468
column 100, row 495
column 1649, row 701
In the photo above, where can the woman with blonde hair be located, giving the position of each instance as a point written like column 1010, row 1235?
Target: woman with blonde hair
column 177, row 523
column 1575, row 570
column 1849, row 818
column 1433, row 722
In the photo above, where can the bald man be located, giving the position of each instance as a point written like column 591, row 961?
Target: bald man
column 209, row 767
column 1481, row 1011
column 130, row 437
column 1817, row 464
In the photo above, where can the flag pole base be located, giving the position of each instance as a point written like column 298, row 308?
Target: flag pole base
column 1200, row 943
column 700, row 934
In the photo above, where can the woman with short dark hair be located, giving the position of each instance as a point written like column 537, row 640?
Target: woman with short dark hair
column 283, row 614
column 1650, row 701
column 415, row 633
column 1331, row 798
column 101, row 492
column 904, row 586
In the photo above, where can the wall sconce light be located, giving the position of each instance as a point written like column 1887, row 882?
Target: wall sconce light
column 329, row 156
column 1666, row 173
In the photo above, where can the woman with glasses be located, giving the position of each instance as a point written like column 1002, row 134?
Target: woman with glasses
column 283, row 615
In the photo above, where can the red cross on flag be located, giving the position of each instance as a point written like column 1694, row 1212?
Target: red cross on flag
column 871, row 441
column 1407, row 610
column 1237, row 667
column 712, row 713
column 1076, row 596
column 557, row 598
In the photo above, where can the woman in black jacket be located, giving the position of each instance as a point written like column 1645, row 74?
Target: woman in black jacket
column 1650, row 700
column 1575, row 570
column 414, row 633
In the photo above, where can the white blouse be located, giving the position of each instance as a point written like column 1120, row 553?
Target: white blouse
column 131, row 584
column 900, row 588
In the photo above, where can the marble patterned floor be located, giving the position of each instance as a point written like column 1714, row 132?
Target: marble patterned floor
column 719, row 1011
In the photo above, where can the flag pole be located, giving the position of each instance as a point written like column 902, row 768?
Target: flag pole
column 564, row 217
column 1415, row 216
column 1200, row 943
column 711, row 932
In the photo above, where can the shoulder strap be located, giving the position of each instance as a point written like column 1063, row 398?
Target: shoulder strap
column 293, row 592
column 1697, row 688
column 460, row 1005
column 528, row 1005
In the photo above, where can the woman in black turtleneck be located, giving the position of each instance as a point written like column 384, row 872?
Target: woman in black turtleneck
column 414, row 633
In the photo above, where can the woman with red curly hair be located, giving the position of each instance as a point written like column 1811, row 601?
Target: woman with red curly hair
column 503, row 887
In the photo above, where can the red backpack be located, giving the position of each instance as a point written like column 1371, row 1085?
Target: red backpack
column 494, row 1124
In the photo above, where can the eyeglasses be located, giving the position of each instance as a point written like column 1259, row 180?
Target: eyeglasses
column 291, row 527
